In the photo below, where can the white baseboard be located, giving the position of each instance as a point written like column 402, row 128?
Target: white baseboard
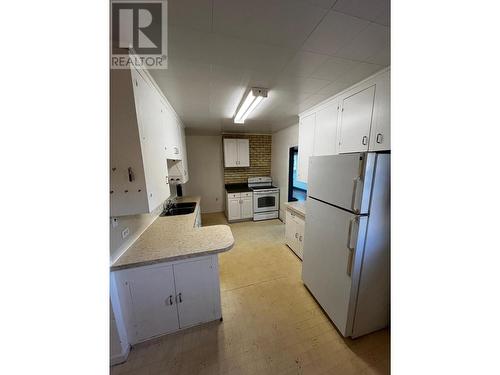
column 120, row 358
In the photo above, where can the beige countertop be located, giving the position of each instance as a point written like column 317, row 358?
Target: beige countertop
column 298, row 206
column 175, row 237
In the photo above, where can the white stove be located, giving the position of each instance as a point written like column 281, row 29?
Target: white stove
column 266, row 198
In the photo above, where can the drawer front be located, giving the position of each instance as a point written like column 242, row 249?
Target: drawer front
column 233, row 195
column 246, row 195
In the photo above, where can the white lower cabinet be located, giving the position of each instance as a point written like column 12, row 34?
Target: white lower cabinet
column 152, row 291
column 195, row 292
column 166, row 297
column 239, row 206
column 294, row 232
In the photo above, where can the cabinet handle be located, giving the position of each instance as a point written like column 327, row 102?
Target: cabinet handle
column 300, row 238
column 130, row 174
column 180, row 297
column 379, row 138
column 364, row 141
column 296, row 235
column 169, row 301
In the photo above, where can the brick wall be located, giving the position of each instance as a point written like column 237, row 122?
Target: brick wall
column 260, row 159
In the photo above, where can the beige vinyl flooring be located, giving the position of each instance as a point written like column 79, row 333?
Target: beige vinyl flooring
column 271, row 325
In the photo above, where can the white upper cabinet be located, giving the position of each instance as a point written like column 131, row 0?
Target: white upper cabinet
column 325, row 132
column 184, row 155
column 307, row 127
column 380, row 137
column 230, row 153
column 243, row 152
column 144, row 133
column 236, row 152
column 152, row 132
column 356, row 119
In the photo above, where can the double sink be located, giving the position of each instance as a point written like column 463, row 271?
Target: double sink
column 175, row 209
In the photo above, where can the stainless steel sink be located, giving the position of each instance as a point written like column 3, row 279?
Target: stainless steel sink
column 183, row 208
column 184, row 205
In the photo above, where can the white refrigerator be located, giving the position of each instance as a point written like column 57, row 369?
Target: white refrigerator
column 346, row 261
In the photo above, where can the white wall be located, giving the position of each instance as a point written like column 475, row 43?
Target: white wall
column 206, row 174
column 282, row 141
column 136, row 225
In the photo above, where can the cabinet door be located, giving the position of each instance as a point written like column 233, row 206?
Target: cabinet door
column 356, row 120
column 325, row 132
column 150, row 119
column 380, row 137
column 184, row 155
column 243, row 152
column 306, row 145
column 195, row 284
column 172, row 133
column 152, row 292
column 289, row 229
column 300, row 226
column 246, row 208
column 230, row 153
column 233, row 209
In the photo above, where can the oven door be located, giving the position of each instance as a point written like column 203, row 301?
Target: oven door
column 263, row 202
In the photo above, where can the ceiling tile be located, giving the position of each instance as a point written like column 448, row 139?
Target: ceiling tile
column 304, row 63
column 369, row 42
column 333, row 68
column 300, row 84
column 334, row 88
column 382, row 57
column 335, row 31
column 312, row 101
column 188, row 44
column 372, row 10
column 248, row 55
column 277, row 22
column 196, row 14
column 359, row 72
column 327, row 4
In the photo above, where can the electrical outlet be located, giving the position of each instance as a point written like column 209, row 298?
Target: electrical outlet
column 125, row 233
column 114, row 221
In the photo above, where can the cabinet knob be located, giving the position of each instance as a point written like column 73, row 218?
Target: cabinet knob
column 379, row 138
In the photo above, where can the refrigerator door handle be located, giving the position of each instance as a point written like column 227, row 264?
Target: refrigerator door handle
column 351, row 249
column 354, row 191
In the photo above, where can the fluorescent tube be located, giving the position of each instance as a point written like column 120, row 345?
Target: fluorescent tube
column 249, row 104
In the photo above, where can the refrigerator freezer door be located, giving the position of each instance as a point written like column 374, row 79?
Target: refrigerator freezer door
column 327, row 257
column 342, row 180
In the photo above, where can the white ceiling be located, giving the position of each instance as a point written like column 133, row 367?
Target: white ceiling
column 303, row 51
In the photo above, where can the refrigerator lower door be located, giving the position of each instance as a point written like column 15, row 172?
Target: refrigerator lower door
column 328, row 264
column 342, row 180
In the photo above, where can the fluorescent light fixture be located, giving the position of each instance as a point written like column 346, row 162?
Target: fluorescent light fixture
column 252, row 100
